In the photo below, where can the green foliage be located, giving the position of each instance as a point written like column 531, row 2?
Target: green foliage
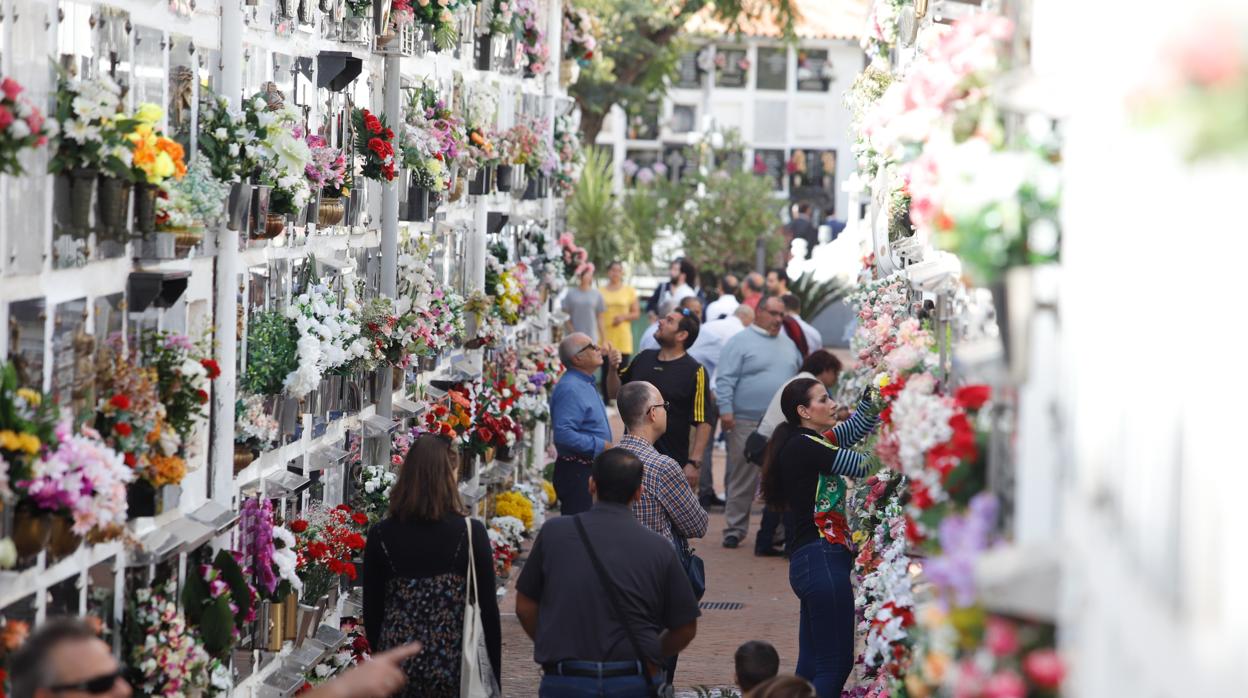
column 642, row 209
column 272, row 353
column 593, row 212
column 724, row 217
column 212, row 616
column 817, row 296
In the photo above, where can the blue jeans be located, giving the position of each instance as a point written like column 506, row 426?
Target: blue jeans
column 554, row 686
column 571, row 481
column 819, row 574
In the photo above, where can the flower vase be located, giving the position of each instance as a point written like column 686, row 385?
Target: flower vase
column 62, row 541
column 503, row 453
column 417, row 204
column 112, row 201
column 237, row 206
column 488, row 456
column 31, row 531
column 140, row 499
column 569, row 71
column 483, row 51
column 457, row 190
column 530, row 189
column 271, row 629
column 186, row 240
column 503, row 177
column 243, row 457
column 81, row 193
column 145, row 208
column 274, row 225
column 480, row 182
column 330, row 211
column 290, row 617
column 308, row 617
column 259, row 210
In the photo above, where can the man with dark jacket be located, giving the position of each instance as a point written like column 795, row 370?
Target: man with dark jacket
column 801, row 227
column 564, row 605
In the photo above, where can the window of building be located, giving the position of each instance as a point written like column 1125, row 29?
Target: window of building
column 644, row 166
column 814, row 70
column 643, row 121
column 773, row 69
column 687, row 74
column 732, row 67
column 770, row 164
column 684, row 118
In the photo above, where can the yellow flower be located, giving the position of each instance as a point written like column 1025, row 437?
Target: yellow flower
column 859, row 537
column 9, row 440
column 149, row 113
column 550, row 491
column 30, row 396
column 29, row 443
column 882, row 380
column 514, row 504
column 162, row 169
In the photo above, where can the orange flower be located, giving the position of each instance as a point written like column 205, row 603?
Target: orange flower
column 166, row 470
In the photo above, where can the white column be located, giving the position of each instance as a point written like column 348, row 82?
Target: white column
column 476, row 261
column 225, row 314
column 391, row 94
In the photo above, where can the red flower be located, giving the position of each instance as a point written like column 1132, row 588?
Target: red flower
column 485, row 434
column 349, row 569
column 389, row 134
column 130, row 459
column 919, row 496
column 893, row 389
column 376, row 145
column 973, row 397
column 202, row 395
column 372, row 123
column 120, row 401
column 299, row 526
column 123, row 429
column 1045, row 668
column 446, row 429
column 354, row 541
column 440, row 410
column 913, row 534
column 213, row 368
column 343, row 507
column 359, row 519
column 335, row 565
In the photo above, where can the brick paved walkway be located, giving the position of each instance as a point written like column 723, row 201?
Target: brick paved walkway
column 761, row 584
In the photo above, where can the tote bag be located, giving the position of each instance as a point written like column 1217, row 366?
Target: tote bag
column 476, row 676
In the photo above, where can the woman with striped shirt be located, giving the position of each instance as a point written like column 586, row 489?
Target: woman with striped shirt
column 804, row 472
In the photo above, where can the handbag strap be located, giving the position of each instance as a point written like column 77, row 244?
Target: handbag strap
column 612, row 595
column 471, row 596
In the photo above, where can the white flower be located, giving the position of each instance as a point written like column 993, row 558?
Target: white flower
column 19, row 128
column 8, row 554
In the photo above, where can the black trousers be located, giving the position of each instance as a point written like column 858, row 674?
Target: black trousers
column 571, row 481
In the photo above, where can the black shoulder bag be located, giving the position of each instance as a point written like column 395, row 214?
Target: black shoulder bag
column 663, row 691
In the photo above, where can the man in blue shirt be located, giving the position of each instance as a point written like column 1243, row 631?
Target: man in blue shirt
column 579, row 421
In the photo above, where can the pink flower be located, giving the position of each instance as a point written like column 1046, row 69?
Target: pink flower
column 1000, row 637
column 1213, row 56
column 11, row 88
column 1045, row 668
column 6, row 117
column 1005, row 684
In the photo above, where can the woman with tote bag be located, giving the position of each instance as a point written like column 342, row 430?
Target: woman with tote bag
column 429, row 578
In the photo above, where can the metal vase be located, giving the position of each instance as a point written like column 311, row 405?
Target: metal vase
column 480, row 182
column 531, row 189
column 145, row 208
column 112, row 204
column 483, row 52
column 259, row 209
column 31, row 530
column 62, row 541
column 503, row 177
column 417, row 204
column 81, row 193
column 237, row 206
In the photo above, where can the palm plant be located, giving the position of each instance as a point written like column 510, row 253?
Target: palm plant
column 817, row 296
column 592, row 210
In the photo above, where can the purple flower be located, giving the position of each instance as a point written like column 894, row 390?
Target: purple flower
column 179, row 341
column 257, row 528
column 962, row 539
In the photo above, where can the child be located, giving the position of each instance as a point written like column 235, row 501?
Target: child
column 756, row 661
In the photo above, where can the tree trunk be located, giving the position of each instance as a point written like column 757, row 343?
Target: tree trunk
column 591, row 125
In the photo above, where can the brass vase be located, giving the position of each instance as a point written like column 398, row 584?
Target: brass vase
column 290, row 620
column 31, row 531
column 243, row 457
column 145, row 208
column 62, row 541
column 330, row 211
column 274, row 225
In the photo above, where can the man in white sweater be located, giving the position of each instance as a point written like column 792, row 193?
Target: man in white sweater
column 753, row 366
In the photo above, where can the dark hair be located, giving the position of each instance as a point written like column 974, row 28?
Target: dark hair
column 756, row 661
column 796, row 394
column 792, row 303
column 763, row 301
column 426, row 489
column 690, row 272
column 819, row 361
column 614, row 262
column 784, row 687
column 617, row 475
column 633, row 401
column 780, row 274
column 689, row 323
column 29, row 664
column 803, row 207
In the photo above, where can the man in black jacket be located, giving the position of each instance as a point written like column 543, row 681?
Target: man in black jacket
column 801, row 227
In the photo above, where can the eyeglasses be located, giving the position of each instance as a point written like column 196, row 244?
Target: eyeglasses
column 95, row 686
column 588, row 347
column 667, row 406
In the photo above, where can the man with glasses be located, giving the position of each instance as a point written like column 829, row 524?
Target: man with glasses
column 682, row 381
column 579, row 420
column 65, row 658
column 752, row 367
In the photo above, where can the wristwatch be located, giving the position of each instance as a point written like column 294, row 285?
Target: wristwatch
column 696, row 464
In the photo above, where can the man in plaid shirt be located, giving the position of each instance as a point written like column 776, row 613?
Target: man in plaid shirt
column 668, row 505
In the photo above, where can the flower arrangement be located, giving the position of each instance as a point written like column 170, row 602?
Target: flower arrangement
column 384, row 333
column 81, row 477
column 445, row 319
column 375, row 141
column 329, row 337
column 567, row 149
column 272, row 353
column 503, row 18
column 327, row 542
column 480, row 109
column 644, row 174
column 504, row 285
column 523, row 145
column 504, row 553
column 13, row 634
column 129, row 412
column 742, row 64
column 90, row 132
column 225, row 139
column 516, row 505
column 154, row 157
column 432, row 139
column 532, row 38
column 327, row 170
column 572, row 254
column 166, row 657
column 401, row 14
column 439, row 16
column 183, row 375
column 253, row 425
column 373, row 497
column 269, row 550
column 881, row 33
column 22, row 126
column 579, row 35
column 27, row 422
column 192, row 203
column 283, row 154
column 453, row 415
column 219, row 602
column 416, row 275
column 510, row 528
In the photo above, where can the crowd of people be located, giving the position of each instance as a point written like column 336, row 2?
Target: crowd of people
column 609, row 593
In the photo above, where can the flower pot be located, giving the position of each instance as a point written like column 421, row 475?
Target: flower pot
column 237, row 206
column 330, row 211
column 145, row 208
column 488, row 456
column 543, row 186
column 503, row 177
column 81, row 192
column 504, row 453
column 418, row 208
column 31, row 530
column 62, row 541
column 274, row 225
column 427, row 362
column 480, row 183
column 140, row 499
column 244, row 455
column 483, row 52
column 456, row 191
column 290, row 616
column 112, row 202
column 308, row 618
column 531, row 189
column 259, row 209
column 185, row 240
